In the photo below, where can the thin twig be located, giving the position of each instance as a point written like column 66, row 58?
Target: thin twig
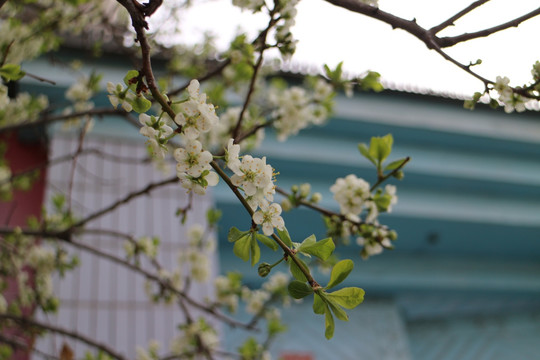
column 147, row 189
column 30, row 322
column 453, row 19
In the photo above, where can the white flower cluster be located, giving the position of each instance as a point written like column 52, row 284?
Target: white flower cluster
column 196, row 256
column 187, row 342
column 118, row 95
column 375, row 242
column 158, row 133
column 275, row 288
column 351, row 193
column 151, row 353
column 284, row 37
column 219, row 135
column 354, row 196
column 31, row 266
column 226, row 291
column 296, row 109
column 22, row 109
column 508, row 97
column 256, row 178
column 195, row 117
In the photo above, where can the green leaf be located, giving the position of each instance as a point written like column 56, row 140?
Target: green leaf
column 235, row 234
column 298, row 289
column 340, row 271
column 267, row 241
column 365, row 152
column 328, row 322
column 382, row 202
column 284, row 236
column 11, row 72
column 128, row 79
column 349, row 297
column 242, row 247
column 255, row 250
column 371, row 82
column 318, row 304
column 336, row 309
column 321, row 249
column 141, row 104
column 395, row 164
column 381, row 147
column 295, row 270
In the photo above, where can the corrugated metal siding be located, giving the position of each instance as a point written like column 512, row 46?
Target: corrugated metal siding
column 101, row 299
column 510, row 337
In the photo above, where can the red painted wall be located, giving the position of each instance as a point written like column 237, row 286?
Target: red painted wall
column 23, row 153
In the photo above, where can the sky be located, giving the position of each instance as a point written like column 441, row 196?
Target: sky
column 327, row 35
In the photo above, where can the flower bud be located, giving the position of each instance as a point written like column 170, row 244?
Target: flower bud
column 264, row 269
column 399, row 175
column 286, row 205
column 305, row 189
column 316, row 197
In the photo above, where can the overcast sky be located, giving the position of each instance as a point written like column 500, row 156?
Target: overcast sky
column 328, row 34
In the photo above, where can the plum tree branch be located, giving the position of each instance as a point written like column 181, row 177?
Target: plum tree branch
column 453, row 19
column 29, row 322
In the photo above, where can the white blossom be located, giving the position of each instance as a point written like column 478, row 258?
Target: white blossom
column 192, row 160
column 350, row 193
column 120, row 96
column 269, row 217
column 196, row 116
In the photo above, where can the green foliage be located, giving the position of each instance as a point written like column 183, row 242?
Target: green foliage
column 11, row 72
column 371, row 82
column 321, row 249
column 299, row 289
column 296, row 271
column 246, row 244
column 141, row 104
column 340, row 271
column 213, row 216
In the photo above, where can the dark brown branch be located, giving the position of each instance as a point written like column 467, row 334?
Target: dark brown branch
column 453, row 40
column 218, row 70
column 147, row 189
column 47, row 120
column 452, row 20
column 25, row 321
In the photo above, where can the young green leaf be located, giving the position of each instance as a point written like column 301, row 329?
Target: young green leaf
column 395, row 164
column 328, row 322
column 340, row 271
column 128, row 79
column 12, row 72
column 365, row 152
column 267, row 241
column 298, row 289
column 242, row 247
column 381, row 147
column 336, row 309
column 321, row 249
column 235, row 234
column 349, row 297
column 295, row 270
column 285, row 237
column 255, row 250
column 141, row 104
column 318, row 304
